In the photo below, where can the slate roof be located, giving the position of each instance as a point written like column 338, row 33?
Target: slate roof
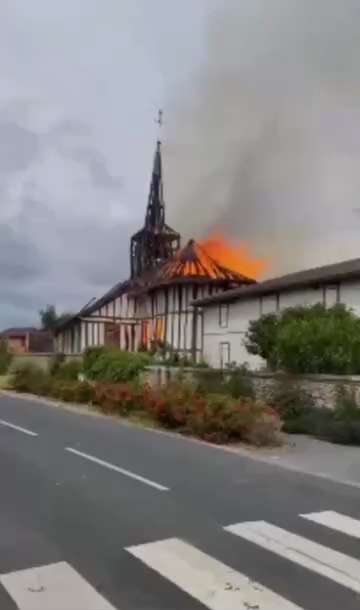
column 333, row 273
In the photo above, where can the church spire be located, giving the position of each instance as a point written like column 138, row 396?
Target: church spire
column 156, row 242
column 155, row 212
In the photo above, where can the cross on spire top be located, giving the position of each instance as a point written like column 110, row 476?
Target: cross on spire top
column 159, row 119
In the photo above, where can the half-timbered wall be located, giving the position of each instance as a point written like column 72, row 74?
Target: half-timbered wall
column 164, row 316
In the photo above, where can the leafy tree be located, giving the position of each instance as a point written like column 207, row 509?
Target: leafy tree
column 50, row 319
column 312, row 339
column 261, row 336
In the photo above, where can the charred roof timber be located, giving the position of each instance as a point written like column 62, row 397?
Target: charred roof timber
column 156, row 242
column 193, row 264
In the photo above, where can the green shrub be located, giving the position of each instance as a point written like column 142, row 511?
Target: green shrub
column 31, row 378
column 239, row 384
column 84, row 392
column 344, row 432
column 69, row 370
column 113, row 365
column 72, row 391
column 56, row 361
column 312, row 339
column 236, row 383
column 5, row 357
column 289, row 399
column 260, row 338
column 91, row 355
column 314, row 421
column 296, row 408
column 346, row 406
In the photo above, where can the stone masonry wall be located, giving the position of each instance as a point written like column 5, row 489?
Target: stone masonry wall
column 321, row 387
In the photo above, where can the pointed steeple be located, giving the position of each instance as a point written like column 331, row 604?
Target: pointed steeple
column 156, row 242
column 155, row 212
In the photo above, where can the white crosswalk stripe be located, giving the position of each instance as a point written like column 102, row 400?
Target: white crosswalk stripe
column 338, row 567
column 336, row 521
column 53, row 587
column 209, row 581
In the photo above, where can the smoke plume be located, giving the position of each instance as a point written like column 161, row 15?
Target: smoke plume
column 264, row 143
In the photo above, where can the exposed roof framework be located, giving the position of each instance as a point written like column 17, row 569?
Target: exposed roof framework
column 193, row 264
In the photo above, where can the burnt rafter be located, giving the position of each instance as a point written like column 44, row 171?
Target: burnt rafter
column 156, row 242
column 193, row 264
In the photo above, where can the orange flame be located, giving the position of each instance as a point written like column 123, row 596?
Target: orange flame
column 234, row 255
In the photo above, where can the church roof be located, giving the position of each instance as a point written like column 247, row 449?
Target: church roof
column 192, row 264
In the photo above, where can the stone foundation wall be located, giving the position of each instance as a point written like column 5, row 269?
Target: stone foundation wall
column 321, row 387
column 41, row 360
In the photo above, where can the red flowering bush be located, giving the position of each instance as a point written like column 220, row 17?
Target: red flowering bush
column 117, row 398
column 218, row 418
column 71, row 391
column 171, row 404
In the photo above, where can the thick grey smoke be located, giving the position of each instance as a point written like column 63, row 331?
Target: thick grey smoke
column 267, row 137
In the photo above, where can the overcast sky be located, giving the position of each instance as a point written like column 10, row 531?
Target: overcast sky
column 81, row 82
column 261, row 135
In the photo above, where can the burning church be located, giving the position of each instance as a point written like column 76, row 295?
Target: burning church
column 153, row 308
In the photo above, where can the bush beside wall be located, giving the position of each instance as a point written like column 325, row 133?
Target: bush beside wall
column 113, row 365
column 177, row 406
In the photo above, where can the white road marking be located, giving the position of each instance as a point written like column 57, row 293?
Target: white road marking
column 53, row 587
column 18, row 428
column 126, row 473
column 341, row 568
column 336, row 521
column 207, row 580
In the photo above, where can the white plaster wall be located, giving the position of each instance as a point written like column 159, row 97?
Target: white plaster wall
column 176, row 330
column 307, row 296
column 269, row 304
column 241, row 312
column 101, row 333
column 96, row 334
column 350, row 295
column 83, row 339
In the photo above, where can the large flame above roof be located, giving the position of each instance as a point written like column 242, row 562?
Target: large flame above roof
column 233, row 255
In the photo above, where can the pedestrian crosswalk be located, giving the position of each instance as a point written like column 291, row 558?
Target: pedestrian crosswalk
column 196, row 574
column 209, row 581
column 52, row 587
column 334, row 565
column 336, row 521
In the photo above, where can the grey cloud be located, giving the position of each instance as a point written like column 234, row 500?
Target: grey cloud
column 19, row 147
column 70, row 126
column 96, row 165
column 266, row 136
column 19, row 259
column 102, row 256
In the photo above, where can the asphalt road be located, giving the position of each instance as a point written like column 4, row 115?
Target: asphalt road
column 98, row 514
